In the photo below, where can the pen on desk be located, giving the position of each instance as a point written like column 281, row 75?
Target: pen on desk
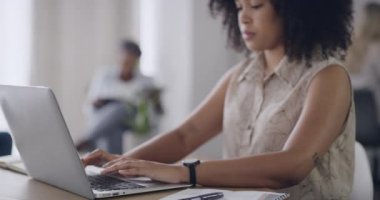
column 209, row 196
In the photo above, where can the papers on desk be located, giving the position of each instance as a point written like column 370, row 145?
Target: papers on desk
column 228, row 195
column 13, row 163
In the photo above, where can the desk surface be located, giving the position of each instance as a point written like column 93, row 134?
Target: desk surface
column 14, row 186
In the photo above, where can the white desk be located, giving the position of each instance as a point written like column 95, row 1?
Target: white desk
column 14, row 186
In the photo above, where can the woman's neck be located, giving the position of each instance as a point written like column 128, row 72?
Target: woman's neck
column 273, row 57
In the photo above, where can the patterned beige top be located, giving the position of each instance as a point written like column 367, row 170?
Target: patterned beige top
column 260, row 114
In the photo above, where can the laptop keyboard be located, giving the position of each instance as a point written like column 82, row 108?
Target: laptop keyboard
column 106, row 183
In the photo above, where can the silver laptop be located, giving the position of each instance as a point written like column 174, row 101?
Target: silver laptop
column 48, row 152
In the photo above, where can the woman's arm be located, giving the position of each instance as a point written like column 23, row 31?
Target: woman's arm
column 326, row 107
column 204, row 123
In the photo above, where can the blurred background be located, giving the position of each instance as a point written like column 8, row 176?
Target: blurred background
column 61, row 43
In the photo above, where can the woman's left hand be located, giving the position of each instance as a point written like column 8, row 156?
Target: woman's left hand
column 156, row 171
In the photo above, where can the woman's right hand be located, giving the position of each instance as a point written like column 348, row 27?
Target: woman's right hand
column 98, row 157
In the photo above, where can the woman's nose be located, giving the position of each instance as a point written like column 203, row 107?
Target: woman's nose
column 244, row 16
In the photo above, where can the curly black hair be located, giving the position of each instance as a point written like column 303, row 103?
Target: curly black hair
column 309, row 26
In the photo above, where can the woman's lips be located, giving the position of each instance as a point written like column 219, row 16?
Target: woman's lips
column 247, row 35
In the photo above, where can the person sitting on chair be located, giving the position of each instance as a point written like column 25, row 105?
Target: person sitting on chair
column 114, row 101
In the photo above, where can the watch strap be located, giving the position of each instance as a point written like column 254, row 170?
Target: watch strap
column 193, row 176
column 192, row 172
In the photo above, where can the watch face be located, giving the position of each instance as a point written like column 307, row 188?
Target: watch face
column 191, row 161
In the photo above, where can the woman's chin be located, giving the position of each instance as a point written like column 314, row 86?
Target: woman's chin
column 254, row 48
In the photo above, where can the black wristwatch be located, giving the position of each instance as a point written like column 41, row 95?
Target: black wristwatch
column 191, row 164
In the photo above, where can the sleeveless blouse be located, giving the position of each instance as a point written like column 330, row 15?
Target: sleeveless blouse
column 260, row 114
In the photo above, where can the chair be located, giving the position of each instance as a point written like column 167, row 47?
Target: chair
column 367, row 127
column 5, row 144
column 363, row 185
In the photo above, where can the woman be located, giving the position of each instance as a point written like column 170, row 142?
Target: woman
column 285, row 111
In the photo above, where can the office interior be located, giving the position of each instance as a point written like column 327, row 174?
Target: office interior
column 61, row 43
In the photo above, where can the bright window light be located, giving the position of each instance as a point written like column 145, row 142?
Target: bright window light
column 149, row 37
column 15, row 44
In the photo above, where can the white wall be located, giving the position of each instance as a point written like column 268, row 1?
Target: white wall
column 188, row 50
column 166, row 39
column 15, row 45
column 211, row 59
column 15, row 41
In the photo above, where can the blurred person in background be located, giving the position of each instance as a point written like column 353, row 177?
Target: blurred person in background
column 118, row 100
column 286, row 111
column 363, row 60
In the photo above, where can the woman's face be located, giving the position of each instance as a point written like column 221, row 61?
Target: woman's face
column 259, row 24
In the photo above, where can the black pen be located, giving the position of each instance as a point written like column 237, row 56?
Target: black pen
column 209, row 196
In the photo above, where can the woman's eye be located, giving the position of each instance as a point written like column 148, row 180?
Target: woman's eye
column 257, row 6
column 238, row 5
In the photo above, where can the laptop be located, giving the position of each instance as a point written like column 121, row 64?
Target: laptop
column 49, row 154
